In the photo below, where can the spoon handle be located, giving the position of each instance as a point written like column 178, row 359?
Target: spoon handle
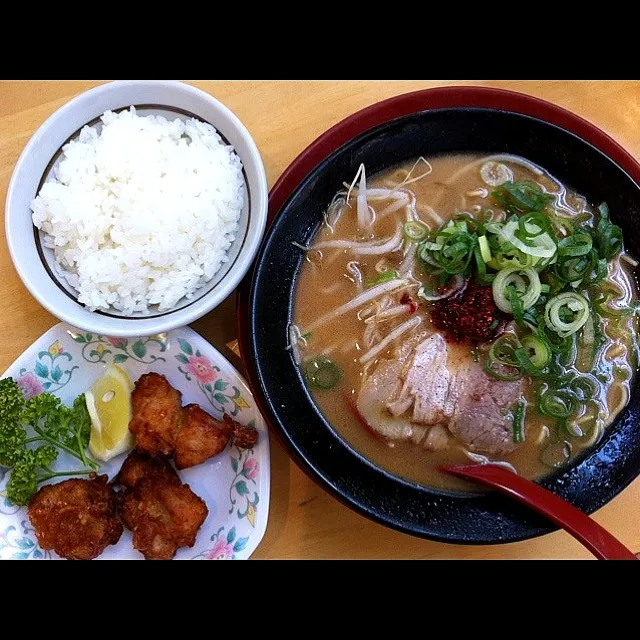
column 587, row 531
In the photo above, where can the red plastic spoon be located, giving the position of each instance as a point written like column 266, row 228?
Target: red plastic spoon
column 587, row 531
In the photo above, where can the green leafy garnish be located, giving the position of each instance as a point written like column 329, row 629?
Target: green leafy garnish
column 577, row 244
column 521, row 197
column 449, row 251
column 415, row 231
column 608, row 236
column 518, row 421
column 55, row 427
column 12, row 434
column 321, row 373
column 385, row 276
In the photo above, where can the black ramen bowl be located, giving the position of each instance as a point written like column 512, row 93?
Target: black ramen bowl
column 427, row 123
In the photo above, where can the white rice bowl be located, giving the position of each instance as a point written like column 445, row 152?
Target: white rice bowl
column 142, row 213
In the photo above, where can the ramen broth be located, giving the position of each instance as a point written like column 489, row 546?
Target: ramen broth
column 328, row 280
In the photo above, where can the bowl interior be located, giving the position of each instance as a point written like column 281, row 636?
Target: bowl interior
column 486, row 518
column 47, row 256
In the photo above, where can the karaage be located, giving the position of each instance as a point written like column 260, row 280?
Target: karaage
column 162, row 513
column 76, row 518
column 156, row 413
column 189, row 434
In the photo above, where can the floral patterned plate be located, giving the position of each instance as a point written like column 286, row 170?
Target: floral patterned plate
column 234, row 484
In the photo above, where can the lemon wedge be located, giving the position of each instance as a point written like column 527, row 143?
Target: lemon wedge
column 109, row 405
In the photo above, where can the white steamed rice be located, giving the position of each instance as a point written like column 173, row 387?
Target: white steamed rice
column 141, row 214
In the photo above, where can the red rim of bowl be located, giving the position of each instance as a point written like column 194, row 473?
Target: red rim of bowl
column 396, row 107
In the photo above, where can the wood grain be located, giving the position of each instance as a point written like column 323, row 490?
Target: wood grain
column 284, row 117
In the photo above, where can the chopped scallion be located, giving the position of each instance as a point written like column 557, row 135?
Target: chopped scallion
column 385, row 276
column 322, row 373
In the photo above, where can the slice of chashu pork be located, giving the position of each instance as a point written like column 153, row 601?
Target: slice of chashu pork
column 425, row 393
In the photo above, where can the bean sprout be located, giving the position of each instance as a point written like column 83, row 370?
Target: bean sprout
column 394, row 335
column 352, row 268
column 480, row 459
column 358, row 301
column 296, row 341
column 391, row 244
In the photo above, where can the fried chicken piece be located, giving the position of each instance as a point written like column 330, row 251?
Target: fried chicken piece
column 243, row 437
column 138, row 466
column 76, row 518
column 156, row 414
column 162, row 513
column 189, row 434
column 200, row 437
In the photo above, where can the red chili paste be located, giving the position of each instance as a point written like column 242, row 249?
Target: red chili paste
column 469, row 315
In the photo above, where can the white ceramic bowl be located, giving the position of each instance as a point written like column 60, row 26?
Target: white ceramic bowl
column 34, row 262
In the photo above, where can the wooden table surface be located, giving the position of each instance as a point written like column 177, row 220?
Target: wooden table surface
column 284, row 117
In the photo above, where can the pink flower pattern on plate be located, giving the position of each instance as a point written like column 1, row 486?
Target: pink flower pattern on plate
column 222, row 550
column 30, row 385
column 118, row 343
column 201, row 369
column 251, row 468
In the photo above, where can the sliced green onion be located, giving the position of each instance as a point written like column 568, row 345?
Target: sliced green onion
column 601, row 305
column 516, row 304
column 415, row 231
column 622, row 374
column 493, row 227
column 467, row 218
column 385, row 276
column 503, row 349
column 573, row 307
column 599, row 338
column 555, row 343
column 526, row 365
column 456, row 249
column 538, row 350
column 431, row 296
column 608, row 236
column 513, row 258
column 585, row 428
column 518, row 422
column 537, row 243
column 482, row 276
column 555, row 403
column 523, row 197
column 568, row 356
column 615, row 313
column 577, row 244
column 532, row 225
column 556, row 454
column 321, row 372
column 585, row 387
column 528, row 294
column 601, row 270
column 485, row 251
column 575, row 268
column 501, row 361
column 587, row 340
